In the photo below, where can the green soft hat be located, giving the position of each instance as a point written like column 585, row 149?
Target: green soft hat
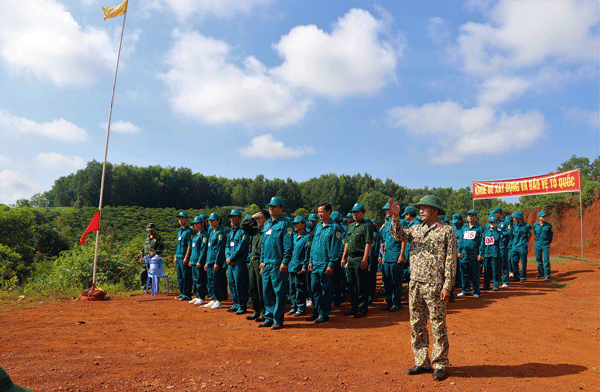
column 386, row 206
column 183, row 214
column 313, row 217
column 472, row 212
column 235, row 213
column 518, row 215
column 150, row 227
column 542, row 213
column 276, row 201
column 358, row 207
column 299, row 219
column 198, row 219
column 6, row 384
column 214, row 216
column 431, row 201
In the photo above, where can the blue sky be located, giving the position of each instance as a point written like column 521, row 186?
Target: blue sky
column 431, row 94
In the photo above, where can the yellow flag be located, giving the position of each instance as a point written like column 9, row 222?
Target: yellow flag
column 111, row 12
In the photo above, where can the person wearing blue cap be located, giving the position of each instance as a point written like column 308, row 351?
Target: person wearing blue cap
column 236, row 254
column 504, row 227
column 181, row 260
column 374, row 262
column 298, row 268
column 276, row 254
column 543, row 238
column 470, row 263
column 357, row 250
column 392, row 267
column 457, row 222
column 253, row 226
column 349, row 219
column 215, row 262
column 340, row 279
column 310, row 228
column 490, row 251
column 198, row 260
column 520, row 245
column 324, row 254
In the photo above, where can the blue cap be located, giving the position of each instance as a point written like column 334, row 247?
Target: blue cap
column 542, row 213
column 518, row 215
column 276, row 201
column 456, row 217
column 472, row 212
column 203, row 216
column 386, row 206
column 358, row 207
column 493, row 219
column 336, row 216
column 309, row 226
column 497, row 209
column 248, row 216
column 198, row 219
column 183, row 214
column 349, row 215
column 299, row 219
column 214, row 216
column 235, row 213
column 313, row 217
column 409, row 210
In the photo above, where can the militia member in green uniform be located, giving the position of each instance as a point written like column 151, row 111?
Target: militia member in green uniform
column 433, row 268
column 543, row 238
column 153, row 245
column 183, row 250
column 357, row 251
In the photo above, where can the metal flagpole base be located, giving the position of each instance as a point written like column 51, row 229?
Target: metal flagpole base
column 94, row 294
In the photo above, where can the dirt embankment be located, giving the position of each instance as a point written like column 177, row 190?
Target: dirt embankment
column 567, row 230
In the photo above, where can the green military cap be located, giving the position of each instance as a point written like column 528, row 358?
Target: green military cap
column 151, row 226
column 518, row 215
column 456, row 217
column 497, row 209
column 431, row 201
column 198, row 219
column 313, row 217
column 386, row 206
column 299, row 219
column 493, row 219
column 183, row 214
column 542, row 213
column 235, row 213
column 410, row 210
column 6, row 384
column 214, row 216
column 358, row 207
column 276, row 201
column 472, row 212
column 203, row 216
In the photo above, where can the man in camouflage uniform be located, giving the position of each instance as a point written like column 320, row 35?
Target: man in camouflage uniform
column 433, row 270
column 153, row 245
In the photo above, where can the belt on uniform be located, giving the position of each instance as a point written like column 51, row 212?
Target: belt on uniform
column 357, row 254
column 255, row 257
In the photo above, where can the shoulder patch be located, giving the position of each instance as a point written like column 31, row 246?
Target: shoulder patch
column 309, row 243
column 220, row 237
column 338, row 235
column 289, row 230
column 243, row 237
column 205, row 240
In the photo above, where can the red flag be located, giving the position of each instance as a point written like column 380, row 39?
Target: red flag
column 93, row 226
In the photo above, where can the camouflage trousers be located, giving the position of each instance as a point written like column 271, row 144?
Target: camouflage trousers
column 425, row 298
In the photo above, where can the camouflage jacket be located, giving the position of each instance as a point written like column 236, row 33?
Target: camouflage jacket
column 433, row 252
column 152, row 244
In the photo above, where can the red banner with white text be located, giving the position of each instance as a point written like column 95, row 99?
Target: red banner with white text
column 568, row 181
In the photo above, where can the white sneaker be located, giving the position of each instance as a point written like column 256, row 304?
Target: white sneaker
column 475, row 296
column 504, row 285
column 216, row 305
column 199, row 301
column 511, row 275
column 210, row 304
column 192, row 301
column 461, row 294
column 309, row 304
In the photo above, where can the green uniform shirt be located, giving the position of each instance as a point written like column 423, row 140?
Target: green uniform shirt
column 153, row 244
column 357, row 238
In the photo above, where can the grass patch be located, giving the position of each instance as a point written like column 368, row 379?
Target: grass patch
column 556, row 284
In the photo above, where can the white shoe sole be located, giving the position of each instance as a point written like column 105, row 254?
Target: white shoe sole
column 210, row 304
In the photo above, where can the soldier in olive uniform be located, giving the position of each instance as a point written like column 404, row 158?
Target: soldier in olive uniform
column 433, row 268
column 153, row 245
column 357, row 250
column 253, row 226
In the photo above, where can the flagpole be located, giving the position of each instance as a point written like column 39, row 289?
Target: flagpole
column 106, row 153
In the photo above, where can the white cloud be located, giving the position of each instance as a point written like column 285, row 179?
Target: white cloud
column 352, row 60
column 206, row 83
column 14, row 186
column 521, row 34
column 42, row 38
column 122, row 127
column 582, row 116
column 61, row 130
column 3, row 159
column 185, row 9
column 54, row 160
column 501, row 89
column 266, row 146
column 438, row 30
column 453, row 133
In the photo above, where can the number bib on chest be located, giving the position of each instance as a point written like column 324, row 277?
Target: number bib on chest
column 469, row 235
column 489, row 240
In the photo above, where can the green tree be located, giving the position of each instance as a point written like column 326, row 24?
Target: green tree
column 374, row 202
column 16, row 233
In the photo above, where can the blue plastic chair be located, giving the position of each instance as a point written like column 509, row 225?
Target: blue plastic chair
column 156, row 271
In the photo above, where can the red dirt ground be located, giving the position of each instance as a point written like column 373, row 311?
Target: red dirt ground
column 531, row 336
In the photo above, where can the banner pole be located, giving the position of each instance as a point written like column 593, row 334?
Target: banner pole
column 581, row 222
column 112, row 99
